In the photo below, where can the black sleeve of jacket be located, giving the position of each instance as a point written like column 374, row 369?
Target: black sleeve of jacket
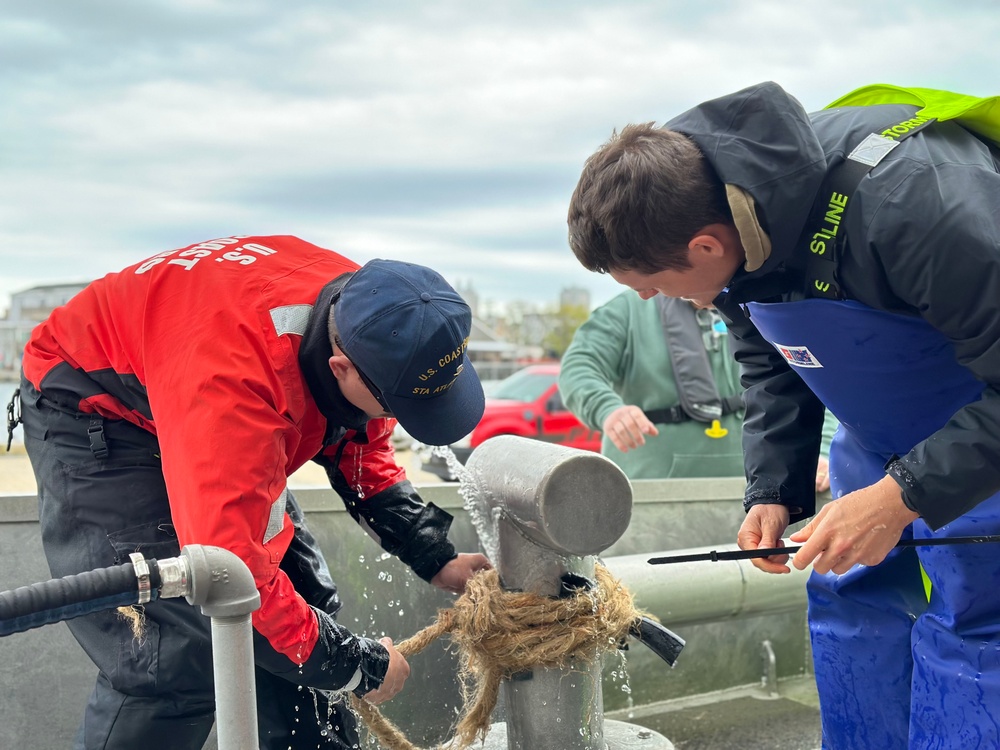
column 335, row 659
column 938, row 239
column 305, row 565
column 782, row 426
column 402, row 524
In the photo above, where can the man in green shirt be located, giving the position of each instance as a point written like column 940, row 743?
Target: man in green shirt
column 657, row 379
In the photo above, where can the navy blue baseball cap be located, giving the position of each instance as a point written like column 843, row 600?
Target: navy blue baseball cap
column 406, row 330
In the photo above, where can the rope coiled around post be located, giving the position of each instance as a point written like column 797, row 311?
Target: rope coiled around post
column 500, row 633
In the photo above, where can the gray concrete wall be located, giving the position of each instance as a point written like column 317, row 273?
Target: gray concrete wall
column 45, row 678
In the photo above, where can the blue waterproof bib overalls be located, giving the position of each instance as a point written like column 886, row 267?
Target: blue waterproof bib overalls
column 894, row 670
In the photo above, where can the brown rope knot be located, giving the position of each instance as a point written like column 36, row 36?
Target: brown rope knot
column 500, row 633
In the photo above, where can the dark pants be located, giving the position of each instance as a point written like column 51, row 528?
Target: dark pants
column 158, row 691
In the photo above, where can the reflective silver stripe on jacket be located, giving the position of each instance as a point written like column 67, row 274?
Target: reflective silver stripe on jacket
column 286, row 319
column 291, row 319
column 276, row 516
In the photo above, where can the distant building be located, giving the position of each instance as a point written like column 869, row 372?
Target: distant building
column 28, row 308
column 490, row 350
column 493, row 356
column 34, row 305
column 575, row 296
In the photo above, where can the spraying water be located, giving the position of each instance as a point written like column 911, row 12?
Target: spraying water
column 474, row 502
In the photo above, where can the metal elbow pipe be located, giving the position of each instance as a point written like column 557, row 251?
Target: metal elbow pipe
column 222, row 585
column 219, row 582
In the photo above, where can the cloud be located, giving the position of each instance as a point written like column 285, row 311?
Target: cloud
column 436, row 130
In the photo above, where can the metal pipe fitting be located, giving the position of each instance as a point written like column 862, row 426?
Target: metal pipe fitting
column 222, row 585
column 175, row 577
column 552, row 509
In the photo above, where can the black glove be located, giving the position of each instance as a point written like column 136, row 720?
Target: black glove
column 334, row 661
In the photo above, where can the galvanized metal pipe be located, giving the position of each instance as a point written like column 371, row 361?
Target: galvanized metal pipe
column 222, row 585
column 554, row 508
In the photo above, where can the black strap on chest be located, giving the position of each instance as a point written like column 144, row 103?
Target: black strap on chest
column 676, row 415
column 825, row 234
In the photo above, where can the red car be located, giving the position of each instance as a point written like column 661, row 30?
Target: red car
column 527, row 404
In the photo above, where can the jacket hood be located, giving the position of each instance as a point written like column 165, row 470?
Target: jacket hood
column 760, row 139
column 314, row 355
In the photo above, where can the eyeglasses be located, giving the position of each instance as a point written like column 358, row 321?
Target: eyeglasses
column 372, row 388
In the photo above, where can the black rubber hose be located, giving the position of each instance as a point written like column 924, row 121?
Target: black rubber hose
column 65, row 598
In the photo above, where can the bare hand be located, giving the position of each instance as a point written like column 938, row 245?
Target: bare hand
column 453, row 576
column 395, row 676
column 861, row 527
column 762, row 529
column 626, row 426
column 822, row 475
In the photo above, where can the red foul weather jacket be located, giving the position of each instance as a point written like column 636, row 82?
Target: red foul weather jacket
column 216, row 349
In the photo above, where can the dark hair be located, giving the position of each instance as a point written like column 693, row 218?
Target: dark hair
column 641, row 197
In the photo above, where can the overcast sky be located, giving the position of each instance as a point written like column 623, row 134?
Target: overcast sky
column 444, row 133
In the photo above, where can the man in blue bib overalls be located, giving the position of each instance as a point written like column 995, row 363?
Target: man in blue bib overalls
column 742, row 202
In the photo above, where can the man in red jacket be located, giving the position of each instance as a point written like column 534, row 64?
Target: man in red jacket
column 167, row 404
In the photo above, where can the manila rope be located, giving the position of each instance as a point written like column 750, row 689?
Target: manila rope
column 500, row 633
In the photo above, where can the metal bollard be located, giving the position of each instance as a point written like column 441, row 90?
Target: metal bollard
column 553, row 508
